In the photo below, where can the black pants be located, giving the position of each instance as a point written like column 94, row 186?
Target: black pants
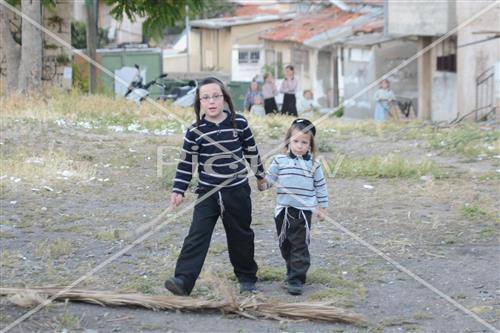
column 270, row 106
column 294, row 248
column 236, row 219
column 289, row 105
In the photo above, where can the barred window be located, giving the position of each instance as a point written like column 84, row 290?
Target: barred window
column 446, row 60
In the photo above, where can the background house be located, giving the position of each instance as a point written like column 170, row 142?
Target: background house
column 227, row 45
column 448, row 73
column 315, row 65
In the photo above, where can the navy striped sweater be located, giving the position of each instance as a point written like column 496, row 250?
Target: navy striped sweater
column 219, row 152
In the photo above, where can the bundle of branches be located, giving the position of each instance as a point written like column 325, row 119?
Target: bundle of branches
column 250, row 307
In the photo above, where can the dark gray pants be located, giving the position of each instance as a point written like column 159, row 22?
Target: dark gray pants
column 294, row 248
column 236, row 219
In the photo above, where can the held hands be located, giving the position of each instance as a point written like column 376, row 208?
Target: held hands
column 176, row 199
column 321, row 214
column 262, row 184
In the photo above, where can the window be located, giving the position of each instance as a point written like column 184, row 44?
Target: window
column 446, row 60
column 248, row 56
column 362, row 55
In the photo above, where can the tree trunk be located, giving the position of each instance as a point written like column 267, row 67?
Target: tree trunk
column 92, row 13
column 30, row 70
column 10, row 50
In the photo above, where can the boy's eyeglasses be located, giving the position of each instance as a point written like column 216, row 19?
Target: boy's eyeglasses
column 208, row 98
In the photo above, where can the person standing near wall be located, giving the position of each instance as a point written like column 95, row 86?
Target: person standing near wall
column 384, row 98
column 288, row 88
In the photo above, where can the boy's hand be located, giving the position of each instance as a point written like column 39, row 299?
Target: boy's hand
column 321, row 214
column 262, row 184
column 176, row 199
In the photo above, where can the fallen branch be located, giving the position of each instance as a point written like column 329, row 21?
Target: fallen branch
column 250, row 307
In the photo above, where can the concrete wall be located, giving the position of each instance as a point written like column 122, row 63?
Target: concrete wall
column 472, row 60
column 249, row 33
column 358, row 75
column 215, row 50
column 423, row 18
column 444, row 96
column 174, row 63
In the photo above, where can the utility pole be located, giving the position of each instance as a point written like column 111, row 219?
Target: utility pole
column 92, row 11
column 188, row 30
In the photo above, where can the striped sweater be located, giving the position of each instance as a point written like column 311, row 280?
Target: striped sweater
column 219, row 152
column 300, row 182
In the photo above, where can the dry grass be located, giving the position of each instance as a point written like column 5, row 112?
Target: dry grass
column 251, row 307
column 390, row 166
column 27, row 298
column 97, row 110
column 43, row 169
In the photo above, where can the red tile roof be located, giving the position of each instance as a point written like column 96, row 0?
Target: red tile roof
column 248, row 10
column 306, row 26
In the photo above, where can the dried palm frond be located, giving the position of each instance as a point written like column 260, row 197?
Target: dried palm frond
column 251, row 307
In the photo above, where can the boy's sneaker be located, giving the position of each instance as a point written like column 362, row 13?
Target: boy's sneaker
column 295, row 288
column 247, row 287
column 176, row 286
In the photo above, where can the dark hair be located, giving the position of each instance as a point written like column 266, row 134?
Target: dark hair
column 225, row 94
column 290, row 67
column 266, row 75
column 306, row 127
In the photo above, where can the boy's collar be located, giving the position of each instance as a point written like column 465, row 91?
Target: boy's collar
column 305, row 157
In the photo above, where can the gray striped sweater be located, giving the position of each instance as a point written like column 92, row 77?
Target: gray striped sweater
column 299, row 180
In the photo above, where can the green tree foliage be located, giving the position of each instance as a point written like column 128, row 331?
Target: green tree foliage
column 158, row 14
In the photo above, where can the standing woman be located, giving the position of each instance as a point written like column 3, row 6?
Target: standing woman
column 288, row 88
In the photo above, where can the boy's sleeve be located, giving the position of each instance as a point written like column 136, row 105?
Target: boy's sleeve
column 272, row 173
column 187, row 164
column 320, row 186
column 251, row 152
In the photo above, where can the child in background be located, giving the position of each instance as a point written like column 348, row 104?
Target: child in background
column 301, row 188
column 257, row 108
column 217, row 144
column 384, row 99
column 306, row 105
column 288, row 88
column 252, row 92
column 269, row 91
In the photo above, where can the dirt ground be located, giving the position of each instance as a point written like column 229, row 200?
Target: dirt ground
column 445, row 230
